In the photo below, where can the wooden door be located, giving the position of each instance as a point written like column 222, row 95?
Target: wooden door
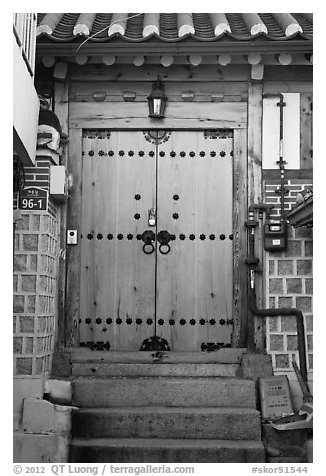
column 182, row 291
column 195, row 202
column 117, row 285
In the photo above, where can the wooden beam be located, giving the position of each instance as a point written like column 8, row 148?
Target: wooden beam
column 81, row 59
column 48, row 61
column 230, row 115
column 195, row 60
column 253, row 58
column 138, row 60
column 284, row 59
column 224, row 59
column 108, row 60
column 167, row 60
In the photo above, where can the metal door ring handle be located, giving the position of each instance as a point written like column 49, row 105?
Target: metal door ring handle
column 148, row 248
column 168, row 248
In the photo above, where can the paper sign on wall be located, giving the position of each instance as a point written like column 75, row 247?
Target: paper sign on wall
column 291, row 132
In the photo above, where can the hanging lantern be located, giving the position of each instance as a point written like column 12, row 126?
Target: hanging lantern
column 157, row 100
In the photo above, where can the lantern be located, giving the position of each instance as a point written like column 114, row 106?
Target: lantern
column 157, row 100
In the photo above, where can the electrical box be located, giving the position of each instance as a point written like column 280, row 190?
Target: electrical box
column 59, row 182
column 275, row 236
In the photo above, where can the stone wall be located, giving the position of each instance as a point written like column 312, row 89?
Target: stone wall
column 289, row 283
column 34, row 291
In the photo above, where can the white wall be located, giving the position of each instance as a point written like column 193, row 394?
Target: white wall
column 25, row 110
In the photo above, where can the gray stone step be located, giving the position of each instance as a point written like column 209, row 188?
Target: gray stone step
column 117, row 369
column 163, row 392
column 229, row 356
column 133, row 450
column 153, row 422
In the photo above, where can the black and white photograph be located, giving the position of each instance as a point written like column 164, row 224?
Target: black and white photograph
column 162, row 241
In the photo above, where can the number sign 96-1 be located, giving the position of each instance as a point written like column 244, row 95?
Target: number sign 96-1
column 33, row 198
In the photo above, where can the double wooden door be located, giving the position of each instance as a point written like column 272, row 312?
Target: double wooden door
column 156, row 239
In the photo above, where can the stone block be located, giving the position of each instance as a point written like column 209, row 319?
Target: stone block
column 24, row 366
column 282, row 361
column 276, row 342
column 294, row 286
column 35, row 222
column 275, row 286
column 271, row 267
column 288, row 324
column 255, row 366
column 30, row 242
column 286, row 302
column 273, row 323
column 24, row 387
column 18, row 345
column 292, row 342
column 29, row 344
column 61, row 364
column 43, row 417
column 33, row 260
column 20, row 262
column 304, row 303
column 18, row 304
column 294, row 248
column 15, row 283
column 303, row 232
column 23, row 223
column 28, row 283
column 309, row 286
column 310, row 342
column 26, row 324
column 304, row 267
column 309, row 323
column 30, row 448
column 30, row 303
column 308, row 246
column 285, row 267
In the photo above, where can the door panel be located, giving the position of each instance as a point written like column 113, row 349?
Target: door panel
column 194, row 281
column 117, row 278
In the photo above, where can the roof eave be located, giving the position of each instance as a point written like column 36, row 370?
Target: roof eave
column 156, row 47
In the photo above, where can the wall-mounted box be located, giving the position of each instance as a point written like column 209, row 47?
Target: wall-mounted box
column 58, row 182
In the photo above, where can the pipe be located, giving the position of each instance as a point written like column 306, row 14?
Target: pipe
column 284, row 311
column 281, row 162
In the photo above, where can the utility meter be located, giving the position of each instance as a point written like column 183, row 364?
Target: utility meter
column 275, row 236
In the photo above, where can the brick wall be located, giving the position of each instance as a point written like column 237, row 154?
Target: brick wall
column 35, row 277
column 289, row 283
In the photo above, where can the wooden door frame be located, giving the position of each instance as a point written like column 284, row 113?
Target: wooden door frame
column 197, row 117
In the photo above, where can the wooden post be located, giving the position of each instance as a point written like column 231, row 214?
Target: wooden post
column 73, row 251
column 61, row 110
column 239, row 336
column 256, row 326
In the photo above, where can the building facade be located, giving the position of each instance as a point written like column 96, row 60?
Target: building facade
column 142, row 243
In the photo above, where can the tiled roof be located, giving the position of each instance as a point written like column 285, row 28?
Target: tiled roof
column 173, row 27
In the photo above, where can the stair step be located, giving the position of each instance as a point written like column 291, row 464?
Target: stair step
column 163, row 392
column 142, row 450
column 109, row 369
column 229, row 356
column 153, row 422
